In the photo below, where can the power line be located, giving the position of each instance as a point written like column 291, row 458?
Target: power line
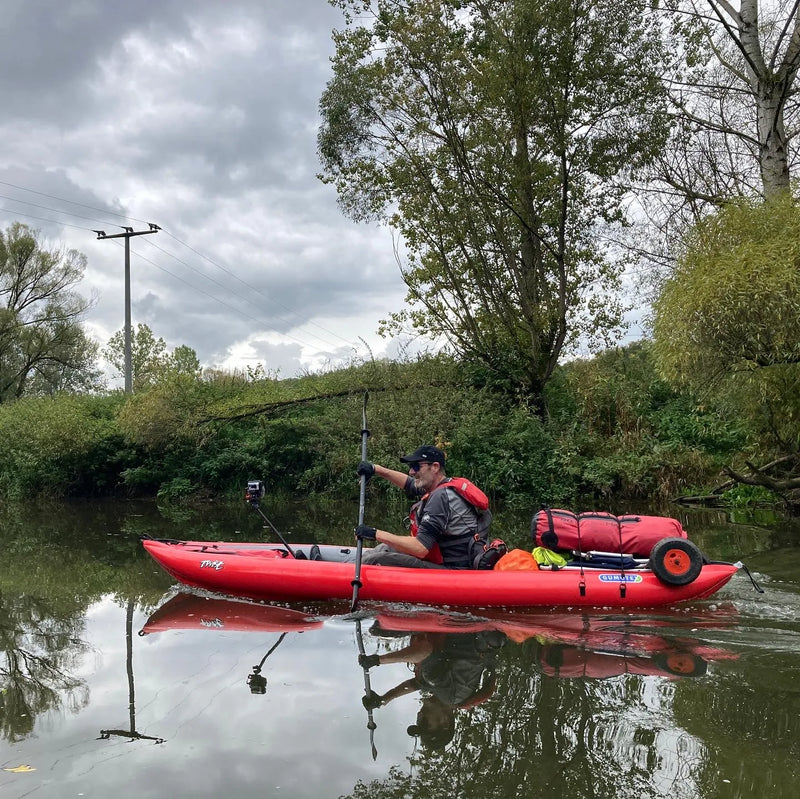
column 214, row 263
column 171, row 235
column 235, row 294
column 253, row 288
column 260, row 321
column 238, row 311
column 43, row 219
column 71, row 202
column 56, row 210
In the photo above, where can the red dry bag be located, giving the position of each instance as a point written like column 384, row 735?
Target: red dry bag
column 602, row 532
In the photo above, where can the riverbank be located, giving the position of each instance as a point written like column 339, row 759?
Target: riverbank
column 611, row 428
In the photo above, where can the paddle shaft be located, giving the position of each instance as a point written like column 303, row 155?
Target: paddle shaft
column 362, row 501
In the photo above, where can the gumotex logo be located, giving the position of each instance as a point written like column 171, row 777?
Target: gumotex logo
column 620, row 578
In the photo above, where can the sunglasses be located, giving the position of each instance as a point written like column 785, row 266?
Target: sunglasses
column 416, row 466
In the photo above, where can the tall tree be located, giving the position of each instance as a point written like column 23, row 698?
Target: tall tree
column 764, row 67
column 727, row 323
column 150, row 361
column 493, row 136
column 43, row 347
column 733, row 91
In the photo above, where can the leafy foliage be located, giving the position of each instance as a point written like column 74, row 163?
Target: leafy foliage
column 734, row 119
column 150, row 361
column 727, row 324
column 60, row 445
column 625, row 433
column 615, row 430
column 493, row 136
column 43, row 348
column 746, row 496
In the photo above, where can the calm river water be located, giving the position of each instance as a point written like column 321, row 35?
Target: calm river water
column 114, row 683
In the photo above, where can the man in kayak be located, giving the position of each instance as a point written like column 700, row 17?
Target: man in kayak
column 448, row 514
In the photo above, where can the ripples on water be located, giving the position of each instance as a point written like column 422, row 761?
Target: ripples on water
column 697, row 702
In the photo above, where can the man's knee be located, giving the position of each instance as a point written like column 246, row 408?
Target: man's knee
column 383, row 555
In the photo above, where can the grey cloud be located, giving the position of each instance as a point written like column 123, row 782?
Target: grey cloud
column 200, row 117
column 51, row 49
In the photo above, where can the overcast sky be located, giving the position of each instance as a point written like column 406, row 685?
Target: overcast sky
column 200, row 116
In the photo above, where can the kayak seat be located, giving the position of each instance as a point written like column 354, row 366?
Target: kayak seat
column 314, row 553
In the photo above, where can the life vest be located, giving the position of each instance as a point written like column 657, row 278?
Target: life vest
column 469, row 492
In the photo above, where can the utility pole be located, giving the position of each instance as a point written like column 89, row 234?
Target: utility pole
column 129, row 231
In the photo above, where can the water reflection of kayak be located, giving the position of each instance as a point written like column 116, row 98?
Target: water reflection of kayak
column 569, row 644
column 593, row 645
column 187, row 611
column 269, row 572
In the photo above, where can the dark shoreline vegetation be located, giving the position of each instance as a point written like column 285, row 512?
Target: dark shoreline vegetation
column 611, row 428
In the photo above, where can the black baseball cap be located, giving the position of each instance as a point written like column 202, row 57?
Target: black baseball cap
column 425, row 454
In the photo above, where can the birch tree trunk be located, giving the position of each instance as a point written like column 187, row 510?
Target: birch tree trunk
column 770, row 78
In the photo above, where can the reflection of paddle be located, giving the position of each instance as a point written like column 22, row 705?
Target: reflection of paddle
column 356, row 583
column 371, row 725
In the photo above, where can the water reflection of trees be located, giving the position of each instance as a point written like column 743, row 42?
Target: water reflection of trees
column 55, row 565
column 752, row 716
column 37, row 652
column 552, row 737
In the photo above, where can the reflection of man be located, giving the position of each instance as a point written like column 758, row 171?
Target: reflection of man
column 452, row 670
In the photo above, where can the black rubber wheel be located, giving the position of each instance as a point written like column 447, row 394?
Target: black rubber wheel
column 676, row 561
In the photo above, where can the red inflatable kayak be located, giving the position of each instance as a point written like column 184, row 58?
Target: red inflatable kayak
column 267, row 572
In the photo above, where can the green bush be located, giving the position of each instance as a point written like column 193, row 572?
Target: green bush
column 177, row 488
column 62, row 445
column 745, row 496
column 612, row 429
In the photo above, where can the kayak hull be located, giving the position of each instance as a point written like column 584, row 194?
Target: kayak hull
column 264, row 572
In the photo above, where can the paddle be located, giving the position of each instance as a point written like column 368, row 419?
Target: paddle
column 356, row 582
